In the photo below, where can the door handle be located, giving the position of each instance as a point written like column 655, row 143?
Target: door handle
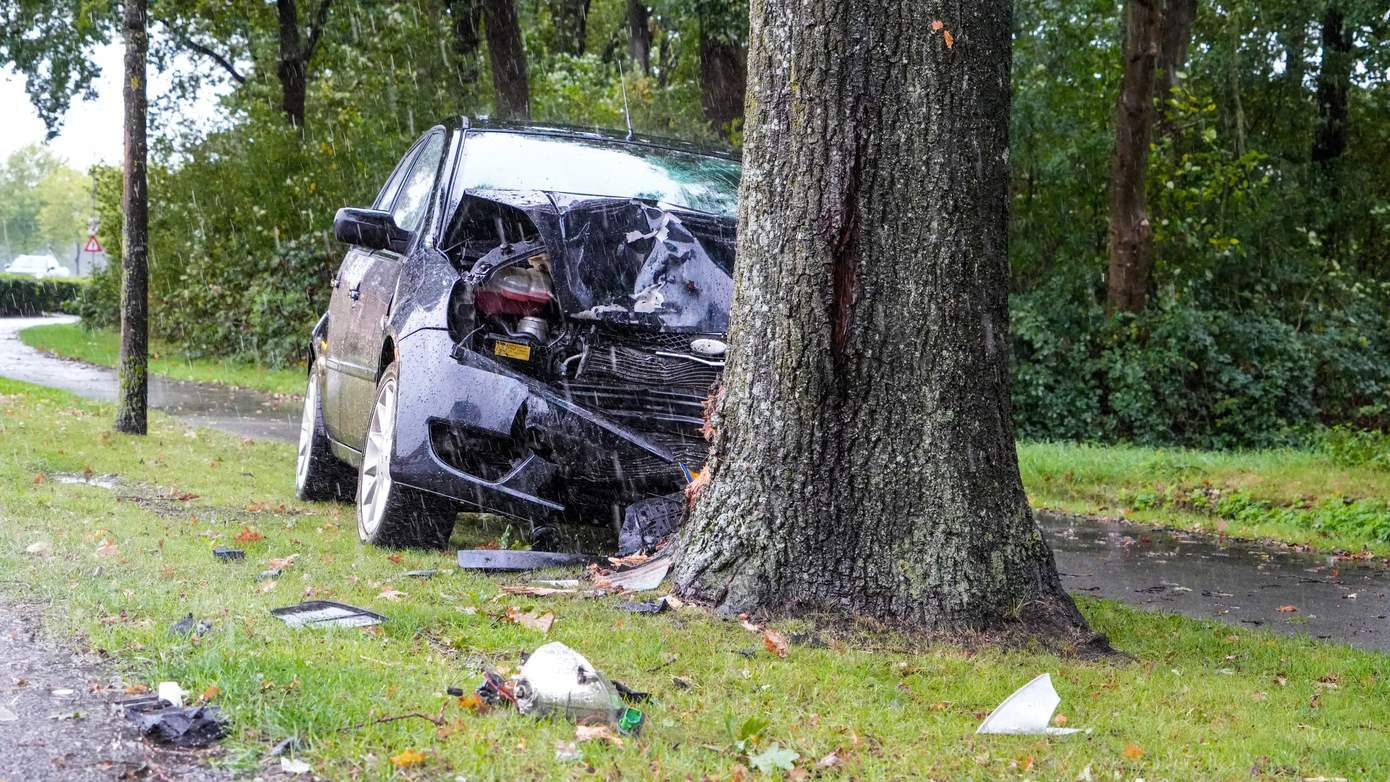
column 355, row 293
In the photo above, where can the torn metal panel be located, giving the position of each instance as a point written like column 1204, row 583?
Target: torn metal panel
column 516, row 561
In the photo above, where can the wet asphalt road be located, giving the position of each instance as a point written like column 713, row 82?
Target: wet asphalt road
column 1243, row 584
column 245, row 413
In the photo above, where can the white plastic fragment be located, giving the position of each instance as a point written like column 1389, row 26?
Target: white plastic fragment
column 171, row 692
column 7, row 716
column 1027, row 712
column 295, row 767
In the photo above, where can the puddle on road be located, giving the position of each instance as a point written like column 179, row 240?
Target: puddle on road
column 1241, row 583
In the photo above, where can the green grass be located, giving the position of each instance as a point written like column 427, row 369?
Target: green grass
column 102, row 347
column 1297, row 497
column 1200, row 701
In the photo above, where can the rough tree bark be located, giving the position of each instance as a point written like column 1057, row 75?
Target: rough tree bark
column 508, row 58
column 723, row 70
column 863, row 460
column 571, row 24
column 1334, row 83
column 639, row 29
column 1131, row 236
column 132, row 400
column 295, row 54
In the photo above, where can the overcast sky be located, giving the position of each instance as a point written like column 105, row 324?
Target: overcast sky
column 91, row 129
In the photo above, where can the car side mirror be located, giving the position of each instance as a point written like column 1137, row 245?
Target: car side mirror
column 374, row 229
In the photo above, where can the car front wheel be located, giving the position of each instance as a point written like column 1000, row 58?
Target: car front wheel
column 318, row 474
column 389, row 514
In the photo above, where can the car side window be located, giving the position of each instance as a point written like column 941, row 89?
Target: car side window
column 393, row 185
column 415, row 189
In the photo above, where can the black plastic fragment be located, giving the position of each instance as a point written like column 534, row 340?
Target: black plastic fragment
column 187, row 728
column 645, row 606
column 228, row 554
column 188, row 625
column 496, row 559
column 630, row 695
column 646, row 523
column 456, row 692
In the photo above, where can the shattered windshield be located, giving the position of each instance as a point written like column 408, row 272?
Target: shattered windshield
column 519, row 161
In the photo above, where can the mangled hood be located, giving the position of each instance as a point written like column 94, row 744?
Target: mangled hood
column 631, row 262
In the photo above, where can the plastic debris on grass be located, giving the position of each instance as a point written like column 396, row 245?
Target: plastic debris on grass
column 1028, row 711
column 558, row 681
column 169, row 722
column 327, row 613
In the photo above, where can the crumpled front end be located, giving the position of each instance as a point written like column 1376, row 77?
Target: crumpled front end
column 582, row 347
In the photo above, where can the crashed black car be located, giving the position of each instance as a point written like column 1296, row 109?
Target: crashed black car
column 527, row 321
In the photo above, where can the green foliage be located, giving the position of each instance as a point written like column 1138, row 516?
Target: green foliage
column 44, row 203
column 1351, row 447
column 22, row 296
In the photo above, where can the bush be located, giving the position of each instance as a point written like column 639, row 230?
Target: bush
column 25, row 296
column 1184, row 375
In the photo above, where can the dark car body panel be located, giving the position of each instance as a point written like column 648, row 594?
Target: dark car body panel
column 635, row 282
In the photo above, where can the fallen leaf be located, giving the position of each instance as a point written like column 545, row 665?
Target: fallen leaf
column 137, row 689
column 775, row 642
column 597, row 733
column 107, row 548
column 675, row 602
column 407, row 758
column 937, row 25
column 832, row 760
column 1288, row 609
column 394, row 595
column 695, row 487
column 248, row 536
column 749, row 626
column 211, row 692
column 283, row 563
column 473, row 702
column 950, row 39
column 631, row 560
column 1132, row 752
column 40, row 549
column 1059, row 720
column 773, row 758
column 40, row 478
column 531, row 619
column 395, row 558
column 266, row 586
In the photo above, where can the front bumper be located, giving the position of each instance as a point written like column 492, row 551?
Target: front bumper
column 477, row 432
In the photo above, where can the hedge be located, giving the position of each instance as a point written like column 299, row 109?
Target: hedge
column 22, row 296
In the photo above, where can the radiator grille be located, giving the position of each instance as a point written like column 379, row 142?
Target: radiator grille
column 631, row 365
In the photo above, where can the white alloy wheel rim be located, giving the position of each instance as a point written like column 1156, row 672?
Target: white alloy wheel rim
column 376, row 460
column 306, row 435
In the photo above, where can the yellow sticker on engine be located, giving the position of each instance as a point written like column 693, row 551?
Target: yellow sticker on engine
column 512, row 350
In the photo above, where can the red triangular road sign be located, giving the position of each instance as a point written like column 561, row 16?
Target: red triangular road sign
column 93, row 246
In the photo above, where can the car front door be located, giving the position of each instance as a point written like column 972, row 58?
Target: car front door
column 341, row 371
column 374, row 288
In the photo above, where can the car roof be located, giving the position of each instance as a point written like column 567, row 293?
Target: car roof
column 592, row 134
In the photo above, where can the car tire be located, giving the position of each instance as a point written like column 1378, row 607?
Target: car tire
column 318, row 474
column 389, row 514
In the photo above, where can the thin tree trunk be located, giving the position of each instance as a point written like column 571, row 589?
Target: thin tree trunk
column 292, row 70
column 571, row 24
column 132, row 401
column 466, row 22
column 723, row 73
column 640, row 33
column 1334, row 83
column 508, row 57
column 1131, row 236
column 1178, row 17
column 863, row 460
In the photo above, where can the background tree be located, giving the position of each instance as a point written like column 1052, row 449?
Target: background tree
column 133, row 397
column 296, row 50
column 508, row 56
column 723, row 61
column 864, row 460
column 639, row 17
column 1131, row 234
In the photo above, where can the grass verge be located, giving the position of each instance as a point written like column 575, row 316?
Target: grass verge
column 102, row 347
column 1297, row 497
column 1201, row 701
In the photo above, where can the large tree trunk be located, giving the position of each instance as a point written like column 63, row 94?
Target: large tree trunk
column 723, row 70
column 508, row 58
column 1131, row 236
column 1334, row 83
column 863, row 459
column 571, row 24
column 133, row 396
column 640, row 33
